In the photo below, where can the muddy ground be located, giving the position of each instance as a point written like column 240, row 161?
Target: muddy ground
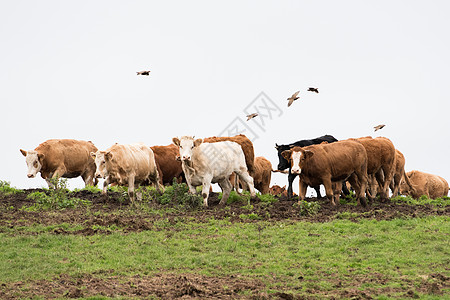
column 111, row 210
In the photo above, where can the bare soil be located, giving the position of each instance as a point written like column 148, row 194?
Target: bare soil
column 108, row 210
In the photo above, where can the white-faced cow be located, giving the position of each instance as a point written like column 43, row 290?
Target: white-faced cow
column 128, row 165
column 330, row 165
column 62, row 158
column 283, row 164
column 206, row 163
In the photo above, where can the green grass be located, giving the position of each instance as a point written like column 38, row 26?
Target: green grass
column 401, row 251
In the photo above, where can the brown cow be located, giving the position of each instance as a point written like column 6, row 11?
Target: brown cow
column 169, row 167
column 380, row 164
column 62, row 158
column 261, row 176
column 128, row 165
column 330, row 164
column 246, row 145
column 432, row 186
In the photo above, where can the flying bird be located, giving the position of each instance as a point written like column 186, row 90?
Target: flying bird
column 378, row 127
column 251, row 116
column 293, row 98
column 312, row 89
column 146, row 73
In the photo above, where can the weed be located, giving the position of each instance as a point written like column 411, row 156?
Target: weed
column 7, row 190
column 423, row 200
column 56, row 197
column 307, row 208
column 267, row 198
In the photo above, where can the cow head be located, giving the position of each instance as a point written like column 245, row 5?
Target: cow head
column 100, row 164
column 296, row 157
column 34, row 162
column 283, row 164
column 186, row 145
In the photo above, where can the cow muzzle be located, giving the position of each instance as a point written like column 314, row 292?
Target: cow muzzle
column 31, row 175
column 296, row 170
column 186, row 158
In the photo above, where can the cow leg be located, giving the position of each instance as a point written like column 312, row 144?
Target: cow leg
column 291, row 178
column 302, row 187
column 329, row 190
column 205, row 190
column 105, row 185
column 345, row 190
column 337, row 189
column 131, row 188
column 88, row 178
column 359, row 180
column 317, row 188
column 247, row 180
column 226, row 187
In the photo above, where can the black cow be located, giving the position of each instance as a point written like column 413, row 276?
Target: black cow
column 283, row 164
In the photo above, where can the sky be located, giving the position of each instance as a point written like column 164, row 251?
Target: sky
column 68, row 70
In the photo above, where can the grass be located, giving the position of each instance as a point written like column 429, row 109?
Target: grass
column 400, row 252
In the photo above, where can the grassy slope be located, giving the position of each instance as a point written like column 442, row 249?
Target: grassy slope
column 285, row 255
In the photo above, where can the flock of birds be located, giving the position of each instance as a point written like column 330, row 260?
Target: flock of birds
column 291, row 99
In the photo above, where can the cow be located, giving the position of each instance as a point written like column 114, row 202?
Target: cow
column 380, row 164
column 432, row 186
column 283, row 164
column 204, row 163
column 127, row 165
column 330, row 165
column 65, row 158
column 261, row 176
column 169, row 167
column 244, row 142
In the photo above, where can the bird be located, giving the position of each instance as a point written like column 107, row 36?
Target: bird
column 251, row 116
column 146, row 73
column 312, row 89
column 378, row 127
column 293, row 98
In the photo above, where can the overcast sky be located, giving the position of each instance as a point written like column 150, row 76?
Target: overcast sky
column 68, row 70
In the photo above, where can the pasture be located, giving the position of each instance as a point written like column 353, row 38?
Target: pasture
column 82, row 244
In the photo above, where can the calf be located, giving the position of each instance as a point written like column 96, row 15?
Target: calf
column 128, row 165
column 330, row 165
column 206, row 163
column 62, row 158
column 283, row 164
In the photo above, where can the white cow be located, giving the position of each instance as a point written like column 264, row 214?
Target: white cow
column 206, row 163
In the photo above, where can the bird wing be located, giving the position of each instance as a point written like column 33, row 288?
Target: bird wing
column 295, row 94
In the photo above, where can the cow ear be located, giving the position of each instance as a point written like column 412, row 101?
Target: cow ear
column 308, row 153
column 24, row 153
column 108, row 156
column 176, row 141
column 286, row 154
column 276, row 146
column 197, row 142
column 41, row 156
column 93, row 155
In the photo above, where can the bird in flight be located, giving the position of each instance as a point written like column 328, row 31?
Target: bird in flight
column 378, row 127
column 251, row 116
column 293, row 98
column 312, row 89
column 146, row 73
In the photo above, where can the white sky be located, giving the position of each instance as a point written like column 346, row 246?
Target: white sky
column 68, row 70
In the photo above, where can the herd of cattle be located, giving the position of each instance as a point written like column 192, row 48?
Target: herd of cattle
column 369, row 166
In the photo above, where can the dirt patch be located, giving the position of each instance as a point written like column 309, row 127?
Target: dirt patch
column 164, row 286
column 109, row 212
